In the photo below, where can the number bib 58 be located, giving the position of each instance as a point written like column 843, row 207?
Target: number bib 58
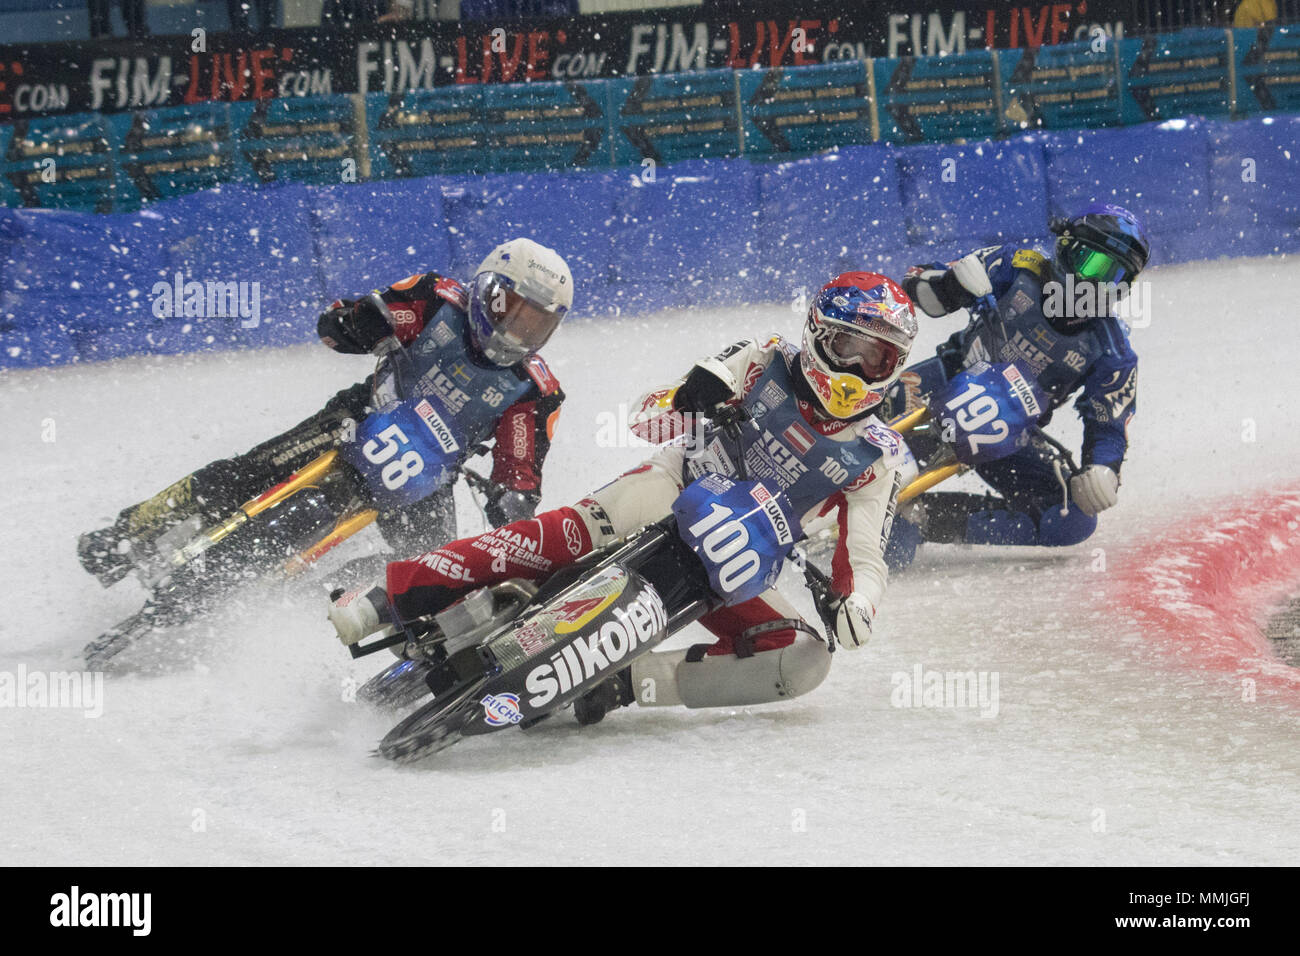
column 405, row 453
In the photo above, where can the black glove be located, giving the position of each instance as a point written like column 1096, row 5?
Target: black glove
column 505, row 505
column 355, row 327
column 705, row 388
column 944, row 287
column 912, row 282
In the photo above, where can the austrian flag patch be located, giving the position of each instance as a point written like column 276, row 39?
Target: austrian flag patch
column 800, row 438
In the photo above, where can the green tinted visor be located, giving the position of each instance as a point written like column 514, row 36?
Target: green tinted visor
column 1097, row 266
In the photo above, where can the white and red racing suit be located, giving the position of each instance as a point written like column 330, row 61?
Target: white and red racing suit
column 764, row 650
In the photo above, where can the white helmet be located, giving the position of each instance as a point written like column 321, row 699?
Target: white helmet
column 520, row 294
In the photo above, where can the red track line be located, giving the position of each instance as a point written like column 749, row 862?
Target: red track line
column 1203, row 588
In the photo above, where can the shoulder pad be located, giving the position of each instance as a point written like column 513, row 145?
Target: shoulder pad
column 732, row 349
column 541, row 375
column 406, row 283
column 453, row 292
column 890, row 442
column 1030, row 260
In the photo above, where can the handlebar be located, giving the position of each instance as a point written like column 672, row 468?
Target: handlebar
column 1060, row 449
column 728, row 419
column 819, row 586
column 986, row 307
column 476, row 481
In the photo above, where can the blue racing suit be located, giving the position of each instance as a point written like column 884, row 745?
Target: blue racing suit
column 1091, row 357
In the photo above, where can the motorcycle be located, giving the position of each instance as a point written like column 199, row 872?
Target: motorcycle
column 406, row 449
column 987, row 411
column 514, row 653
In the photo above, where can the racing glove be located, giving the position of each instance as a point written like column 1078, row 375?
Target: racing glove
column 355, row 327
column 708, row 385
column 942, row 291
column 853, row 616
column 970, row 273
column 505, row 505
column 1095, row 489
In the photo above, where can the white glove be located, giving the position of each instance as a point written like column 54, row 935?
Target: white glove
column 1095, row 489
column 358, row 613
column 853, row 621
column 972, row 275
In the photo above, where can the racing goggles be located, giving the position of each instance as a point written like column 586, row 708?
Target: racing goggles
column 874, row 359
column 1095, row 265
column 517, row 321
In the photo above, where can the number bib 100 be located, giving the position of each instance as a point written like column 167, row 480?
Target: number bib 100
column 740, row 531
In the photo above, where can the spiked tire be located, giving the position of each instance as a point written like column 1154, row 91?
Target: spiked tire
column 434, row 727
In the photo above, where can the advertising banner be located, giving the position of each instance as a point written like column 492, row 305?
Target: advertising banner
column 1268, row 69
column 1176, row 74
column 114, row 75
column 1072, row 85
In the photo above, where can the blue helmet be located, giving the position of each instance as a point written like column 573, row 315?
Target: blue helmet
column 1103, row 243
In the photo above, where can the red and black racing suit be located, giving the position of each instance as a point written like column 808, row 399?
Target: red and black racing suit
column 522, row 436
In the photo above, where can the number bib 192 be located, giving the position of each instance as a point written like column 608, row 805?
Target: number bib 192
column 985, row 412
column 741, row 532
column 405, row 453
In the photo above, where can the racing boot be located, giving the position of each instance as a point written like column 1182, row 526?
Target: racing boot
column 106, row 554
column 359, row 613
column 110, row 553
column 167, row 520
column 608, row 695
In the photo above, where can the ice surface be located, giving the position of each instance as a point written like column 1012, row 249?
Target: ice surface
column 243, row 749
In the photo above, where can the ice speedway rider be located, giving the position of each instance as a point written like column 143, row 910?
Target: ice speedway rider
column 518, row 297
column 1055, row 317
column 820, row 442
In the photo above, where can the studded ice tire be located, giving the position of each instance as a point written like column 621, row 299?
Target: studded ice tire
column 434, row 727
column 400, row 684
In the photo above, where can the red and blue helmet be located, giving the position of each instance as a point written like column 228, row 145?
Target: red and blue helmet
column 860, row 328
column 1102, row 244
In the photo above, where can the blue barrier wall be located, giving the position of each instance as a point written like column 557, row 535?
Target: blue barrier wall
column 80, row 287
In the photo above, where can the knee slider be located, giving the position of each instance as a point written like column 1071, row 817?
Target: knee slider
column 804, row 665
column 1057, row 530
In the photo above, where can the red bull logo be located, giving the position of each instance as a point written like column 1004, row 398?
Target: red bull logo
column 844, row 395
